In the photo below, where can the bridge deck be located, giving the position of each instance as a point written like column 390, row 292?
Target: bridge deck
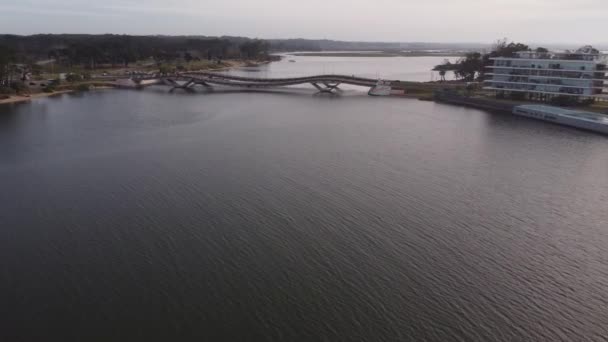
column 207, row 78
column 301, row 79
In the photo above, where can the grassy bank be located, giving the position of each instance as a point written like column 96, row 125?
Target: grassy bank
column 425, row 90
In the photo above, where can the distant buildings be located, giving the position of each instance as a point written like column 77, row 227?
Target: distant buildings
column 544, row 75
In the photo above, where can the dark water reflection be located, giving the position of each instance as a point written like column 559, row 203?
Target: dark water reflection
column 283, row 216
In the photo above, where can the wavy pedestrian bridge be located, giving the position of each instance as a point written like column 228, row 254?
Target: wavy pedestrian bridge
column 187, row 81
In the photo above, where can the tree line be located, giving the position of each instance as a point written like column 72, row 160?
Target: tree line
column 91, row 51
column 7, row 69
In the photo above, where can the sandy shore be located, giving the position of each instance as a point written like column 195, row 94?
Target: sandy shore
column 22, row 99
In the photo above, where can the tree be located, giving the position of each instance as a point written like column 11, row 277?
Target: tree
column 164, row 69
column 7, row 58
column 36, row 69
column 446, row 65
column 470, row 66
column 73, row 78
column 92, row 51
column 442, row 75
column 254, row 49
column 188, row 57
column 502, row 48
column 444, row 68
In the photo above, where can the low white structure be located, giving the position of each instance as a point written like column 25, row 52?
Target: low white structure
column 574, row 118
column 544, row 75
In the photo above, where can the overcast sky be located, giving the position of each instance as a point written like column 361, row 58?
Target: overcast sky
column 549, row 21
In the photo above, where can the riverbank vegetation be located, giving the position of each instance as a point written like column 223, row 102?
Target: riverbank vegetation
column 471, row 71
column 93, row 51
column 472, row 66
column 37, row 63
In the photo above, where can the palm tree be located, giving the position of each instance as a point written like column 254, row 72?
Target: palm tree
column 442, row 74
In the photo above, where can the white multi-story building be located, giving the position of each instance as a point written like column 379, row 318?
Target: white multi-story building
column 544, row 75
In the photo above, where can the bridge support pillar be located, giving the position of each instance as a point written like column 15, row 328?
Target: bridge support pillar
column 186, row 86
column 204, row 84
column 170, row 82
column 327, row 87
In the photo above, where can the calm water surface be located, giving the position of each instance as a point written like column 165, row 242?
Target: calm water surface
column 390, row 68
column 283, row 216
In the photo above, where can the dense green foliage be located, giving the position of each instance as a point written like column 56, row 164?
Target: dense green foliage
column 83, row 87
column 502, row 48
column 7, row 90
column 73, row 78
column 473, row 65
column 7, row 57
column 92, row 51
column 49, row 89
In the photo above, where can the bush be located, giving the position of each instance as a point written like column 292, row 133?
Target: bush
column 36, row 70
column 49, row 89
column 4, row 96
column 73, row 78
column 7, row 91
column 82, row 87
column 19, row 87
column 564, row 101
column 164, row 69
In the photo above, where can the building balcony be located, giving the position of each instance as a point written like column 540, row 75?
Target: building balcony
column 522, row 74
column 554, row 57
column 561, row 68
column 603, row 96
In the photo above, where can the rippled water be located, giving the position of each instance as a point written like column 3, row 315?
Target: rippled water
column 282, row 216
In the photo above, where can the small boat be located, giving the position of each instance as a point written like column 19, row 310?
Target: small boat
column 292, row 61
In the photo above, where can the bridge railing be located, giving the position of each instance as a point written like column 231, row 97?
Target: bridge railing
column 279, row 83
column 303, row 79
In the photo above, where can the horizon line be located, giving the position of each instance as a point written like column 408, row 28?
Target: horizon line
column 300, row 38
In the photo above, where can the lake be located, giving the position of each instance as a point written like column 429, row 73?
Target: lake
column 287, row 216
column 389, row 68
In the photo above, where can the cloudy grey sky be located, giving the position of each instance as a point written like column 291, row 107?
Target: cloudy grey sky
column 550, row 21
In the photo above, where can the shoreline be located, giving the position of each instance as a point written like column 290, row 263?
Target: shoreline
column 25, row 99
column 22, row 98
column 16, row 99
